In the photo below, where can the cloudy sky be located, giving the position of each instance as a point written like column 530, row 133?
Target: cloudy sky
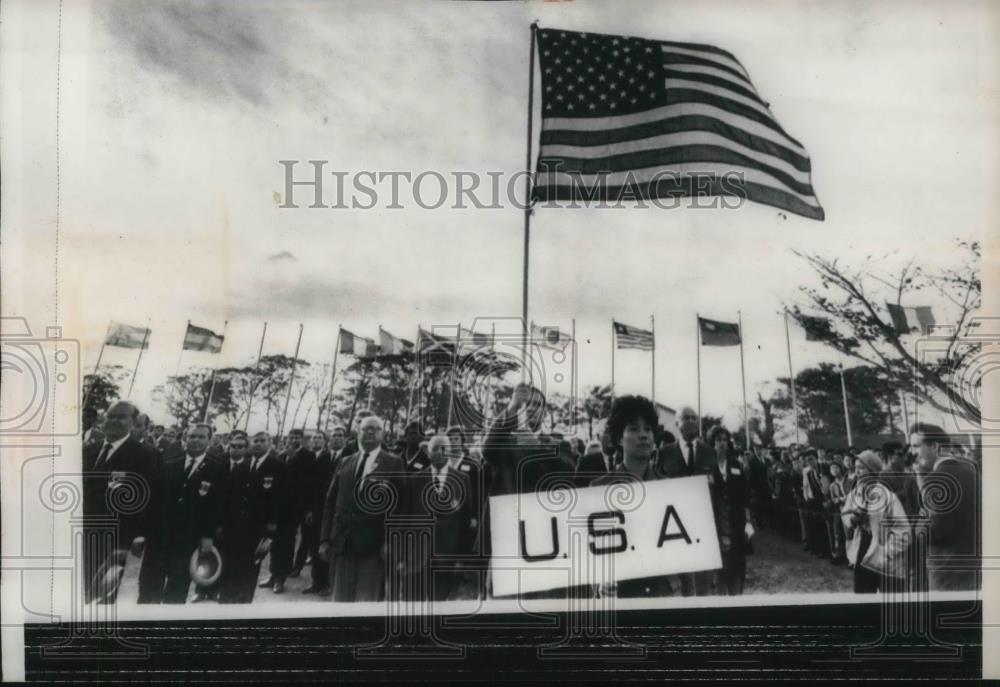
column 175, row 115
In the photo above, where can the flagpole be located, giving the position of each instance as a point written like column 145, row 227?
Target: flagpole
column 135, row 372
column 260, row 351
column 612, row 360
column 181, row 353
column 527, row 203
column 454, row 362
column 847, row 416
column 697, row 328
column 906, row 413
column 743, row 379
column 211, row 388
column 97, row 366
column 652, row 385
column 413, row 375
column 291, row 382
column 333, row 376
column 371, row 370
column 791, row 377
column 573, row 379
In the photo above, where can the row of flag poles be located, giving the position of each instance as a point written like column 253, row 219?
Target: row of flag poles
column 389, row 347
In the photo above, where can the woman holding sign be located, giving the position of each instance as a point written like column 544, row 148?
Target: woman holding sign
column 632, row 427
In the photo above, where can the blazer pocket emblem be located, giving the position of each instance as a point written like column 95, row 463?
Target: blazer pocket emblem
column 268, row 482
column 116, row 478
column 203, row 489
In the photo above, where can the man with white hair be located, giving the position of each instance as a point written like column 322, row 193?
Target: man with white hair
column 367, row 486
column 442, row 493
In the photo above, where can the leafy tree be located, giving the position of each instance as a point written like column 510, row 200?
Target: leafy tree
column 857, row 324
column 104, row 387
column 596, row 406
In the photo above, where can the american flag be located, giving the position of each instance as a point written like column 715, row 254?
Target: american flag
column 632, row 337
column 627, row 118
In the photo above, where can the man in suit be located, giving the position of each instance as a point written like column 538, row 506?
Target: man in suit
column 955, row 546
column 596, row 463
column 119, row 487
column 366, row 487
column 690, row 455
column 297, row 487
column 684, row 458
column 410, row 447
column 236, row 533
column 267, row 472
column 322, row 476
column 461, row 460
column 186, row 515
column 440, row 493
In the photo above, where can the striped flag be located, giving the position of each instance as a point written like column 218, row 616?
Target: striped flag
column 352, row 344
column 393, row 346
column 127, row 336
column 906, row 320
column 816, row 328
column 632, row 337
column 626, row 118
column 550, row 337
column 201, row 339
column 716, row 333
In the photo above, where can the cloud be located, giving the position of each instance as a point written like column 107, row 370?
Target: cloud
column 283, row 256
column 220, row 51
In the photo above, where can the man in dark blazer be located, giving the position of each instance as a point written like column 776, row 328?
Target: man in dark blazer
column 441, row 493
column 320, row 483
column 119, row 487
column 267, row 471
column 236, row 533
column 688, row 456
column 954, row 550
column 367, row 487
column 297, row 487
column 186, row 514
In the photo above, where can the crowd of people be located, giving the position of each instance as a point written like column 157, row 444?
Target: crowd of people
column 375, row 517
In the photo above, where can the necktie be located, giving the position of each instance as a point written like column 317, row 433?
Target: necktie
column 188, row 467
column 102, row 457
column 361, row 465
column 690, row 454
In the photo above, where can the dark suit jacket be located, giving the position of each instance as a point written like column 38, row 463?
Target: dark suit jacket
column 266, row 493
column 590, row 467
column 236, row 522
column 189, row 506
column 454, row 511
column 730, row 500
column 120, row 486
column 322, row 476
column 299, row 484
column 670, row 460
column 354, row 515
column 955, row 531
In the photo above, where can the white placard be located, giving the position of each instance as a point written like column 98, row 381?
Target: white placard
column 603, row 534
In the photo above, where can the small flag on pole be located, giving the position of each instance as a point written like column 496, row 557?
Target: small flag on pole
column 716, row 333
column 816, row 328
column 632, row 337
column 471, row 339
column 550, row 337
column 352, row 344
column 631, row 118
column 127, row 336
column 906, row 320
column 201, row 339
column 393, row 346
column 429, row 341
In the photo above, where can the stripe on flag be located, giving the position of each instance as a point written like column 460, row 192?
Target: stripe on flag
column 127, row 336
column 202, row 339
column 632, row 337
column 393, row 345
column 352, row 344
column 627, row 117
